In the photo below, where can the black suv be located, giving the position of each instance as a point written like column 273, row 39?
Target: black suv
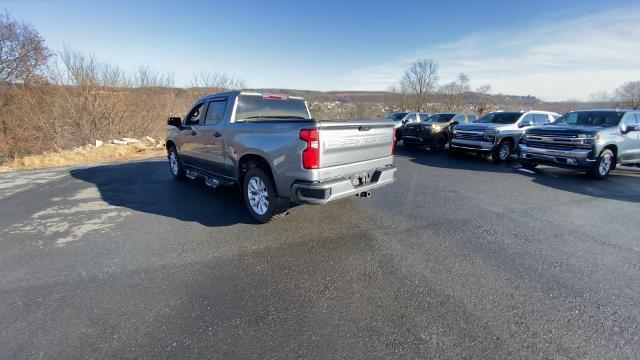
column 435, row 132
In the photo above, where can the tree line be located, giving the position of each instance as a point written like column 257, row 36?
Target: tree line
column 53, row 101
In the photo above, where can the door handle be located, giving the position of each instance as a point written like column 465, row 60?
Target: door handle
column 217, row 134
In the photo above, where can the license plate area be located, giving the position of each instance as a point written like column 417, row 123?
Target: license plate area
column 361, row 178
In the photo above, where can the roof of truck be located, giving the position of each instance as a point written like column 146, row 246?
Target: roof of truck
column 250, row 93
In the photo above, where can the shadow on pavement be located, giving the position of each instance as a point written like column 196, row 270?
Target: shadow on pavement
column 149, row 187
column 623, row 183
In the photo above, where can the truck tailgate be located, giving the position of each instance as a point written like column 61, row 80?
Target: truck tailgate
column 348, row 142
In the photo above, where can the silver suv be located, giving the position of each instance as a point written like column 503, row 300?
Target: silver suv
column 498, row 133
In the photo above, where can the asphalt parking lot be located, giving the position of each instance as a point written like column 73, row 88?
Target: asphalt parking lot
column 460, row 258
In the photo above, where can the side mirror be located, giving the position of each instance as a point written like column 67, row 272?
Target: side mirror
column 525, row 123
column 405, row 121
column 454, row 123
column 174, row 121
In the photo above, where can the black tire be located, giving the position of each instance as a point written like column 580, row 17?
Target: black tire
column 437, row 144
column 529, row 166
column 178, row 171
column 603, row 166
column 275, row 206
column 498, row 154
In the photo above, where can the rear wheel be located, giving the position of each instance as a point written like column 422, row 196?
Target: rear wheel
column 604, row 164
column 502, row 152
column 260, row 196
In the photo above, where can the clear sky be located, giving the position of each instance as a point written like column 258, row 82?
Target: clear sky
column 555, row 50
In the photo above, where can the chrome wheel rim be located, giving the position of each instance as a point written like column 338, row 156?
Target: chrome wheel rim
column 258, row 195
column 504, row 152
column 605, row 165
column 173, row 162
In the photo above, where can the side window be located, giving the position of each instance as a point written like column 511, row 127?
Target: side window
column 215, row 112
column 472, row 118
column 540, row 119
column 630, row 119
column 528, row 117
column 460, row 119
column 638, row 118
column 410, row 118
column 194, row 116
column 424, row 117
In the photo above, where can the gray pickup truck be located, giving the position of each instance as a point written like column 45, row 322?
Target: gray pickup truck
column 271, row 147
column 497, row 133
column 591, row 140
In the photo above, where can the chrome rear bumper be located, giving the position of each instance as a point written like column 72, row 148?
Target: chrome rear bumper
column 322, row 193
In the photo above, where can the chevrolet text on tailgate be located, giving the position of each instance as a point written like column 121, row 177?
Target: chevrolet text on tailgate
column 271, row 147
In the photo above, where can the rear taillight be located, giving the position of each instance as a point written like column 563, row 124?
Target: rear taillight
column 311, row 155
column 393, row 142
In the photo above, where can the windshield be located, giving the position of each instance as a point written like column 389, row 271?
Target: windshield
column 259, row 107
column 500, row 118
column 396, row 116
column 440, row 118
column 590, row 118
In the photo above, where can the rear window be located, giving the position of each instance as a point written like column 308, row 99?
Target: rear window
column 253, row 107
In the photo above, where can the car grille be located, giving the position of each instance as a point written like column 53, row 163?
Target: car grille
column 556, row 141
column 468, row 136
column 551, row 146
column 411, row 132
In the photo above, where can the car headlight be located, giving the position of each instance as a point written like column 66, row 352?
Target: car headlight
column 492, row 132
column 436, row 128
column 589, row 136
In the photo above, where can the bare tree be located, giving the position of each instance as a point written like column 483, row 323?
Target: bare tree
column 148, row 77
column 23, row 55
column 629, row 94
column 454, row 94
column 23, row 52
column 420, row 81
column 600, row 97
column 482, row 100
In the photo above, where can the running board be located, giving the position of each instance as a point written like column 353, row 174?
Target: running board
column 208, row 180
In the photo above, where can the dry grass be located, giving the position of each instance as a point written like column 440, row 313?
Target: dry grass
column 86, row 155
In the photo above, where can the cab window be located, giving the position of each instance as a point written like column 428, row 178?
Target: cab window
column 215, row 112
column 410, row 118
column 540, row 119
column 630, row 119
column 461, row 119
column 194, row 116
column 528, row 117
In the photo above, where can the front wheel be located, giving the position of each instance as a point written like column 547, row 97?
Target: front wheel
column 260, row 197
column 437, row 144
column 502, row 152
column 604, row 164
column 175, row 164
column 529, row 166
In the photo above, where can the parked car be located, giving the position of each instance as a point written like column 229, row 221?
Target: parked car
column 592, row 140
column 400, row 119
column 497, row 133
column 435, row 131
column 270, row 147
